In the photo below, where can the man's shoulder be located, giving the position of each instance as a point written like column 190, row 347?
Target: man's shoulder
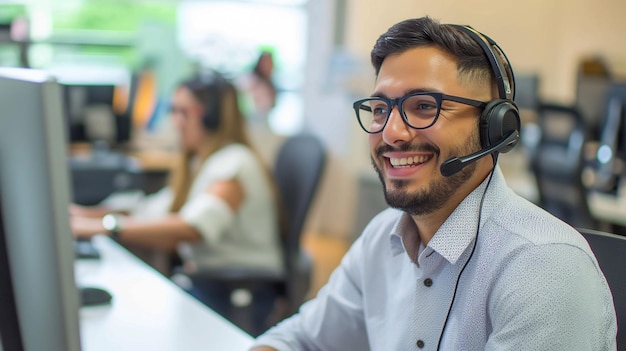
column 533, row 224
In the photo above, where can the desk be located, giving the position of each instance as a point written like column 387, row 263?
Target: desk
column 608, row 208
column 148, row 311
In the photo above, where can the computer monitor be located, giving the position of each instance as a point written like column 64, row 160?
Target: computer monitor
column 37, row 258
column 93, row 113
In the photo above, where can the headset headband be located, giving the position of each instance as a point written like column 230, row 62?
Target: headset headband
column 505, row 79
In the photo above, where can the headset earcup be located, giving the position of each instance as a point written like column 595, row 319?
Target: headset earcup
column 214, row 87
column 499, row 118
column 211, row 119
column 213, row 114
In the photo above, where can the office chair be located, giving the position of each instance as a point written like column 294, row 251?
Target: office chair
column 558, row 165
column 592, row 82
column 298, row 170
column 527, row 91
column 611, row 155
column 610, row 251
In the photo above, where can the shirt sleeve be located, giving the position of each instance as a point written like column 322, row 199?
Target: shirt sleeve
column 209, row 215
column 555, row 306
column 153, row 206
column 124, row 201
column 332, row 321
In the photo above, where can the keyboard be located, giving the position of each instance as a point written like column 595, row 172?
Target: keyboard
column 85, row 249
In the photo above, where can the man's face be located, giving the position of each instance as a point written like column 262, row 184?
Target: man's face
column 408, row 160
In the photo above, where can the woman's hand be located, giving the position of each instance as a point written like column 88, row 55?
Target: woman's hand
column 86, row 227
column 88, row 211
column 76, row 210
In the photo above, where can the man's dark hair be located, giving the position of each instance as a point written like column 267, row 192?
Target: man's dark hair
column 473, row 65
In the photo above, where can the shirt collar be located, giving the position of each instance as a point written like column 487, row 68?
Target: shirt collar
column 459, row 229
column 406, row 225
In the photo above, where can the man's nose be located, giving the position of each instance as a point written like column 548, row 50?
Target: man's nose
column 396, row 130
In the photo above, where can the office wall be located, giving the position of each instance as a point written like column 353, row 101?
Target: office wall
column 547, row 37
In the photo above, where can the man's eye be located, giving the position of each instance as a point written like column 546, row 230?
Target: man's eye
column 426, row 106
column 380, row 111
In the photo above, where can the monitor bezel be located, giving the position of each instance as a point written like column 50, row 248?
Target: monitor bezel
column 34, row 183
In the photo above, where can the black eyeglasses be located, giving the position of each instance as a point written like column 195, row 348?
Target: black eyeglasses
column 418, row 110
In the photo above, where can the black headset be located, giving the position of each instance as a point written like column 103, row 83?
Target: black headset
column 214, row 87
column 499, row 123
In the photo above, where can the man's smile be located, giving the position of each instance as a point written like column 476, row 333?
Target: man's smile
column 401, row 162
column 404, row 164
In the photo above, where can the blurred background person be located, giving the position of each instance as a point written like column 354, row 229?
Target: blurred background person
column 260, row 87
column 220, row 208
column 260, row 97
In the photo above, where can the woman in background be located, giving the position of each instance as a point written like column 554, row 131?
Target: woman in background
column 260, row 86
column 221, row 206
column 261, row 95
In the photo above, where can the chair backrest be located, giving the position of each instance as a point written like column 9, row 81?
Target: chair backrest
column 558, row 165
column 591, row 99
column 527, row 91
column 610, row 251
column 298, row 170
column 612, row 150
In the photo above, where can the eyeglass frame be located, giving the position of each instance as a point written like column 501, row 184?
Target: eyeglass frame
column 439, row 98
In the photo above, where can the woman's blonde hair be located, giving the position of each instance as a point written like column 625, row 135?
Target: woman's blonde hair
column 217, row 95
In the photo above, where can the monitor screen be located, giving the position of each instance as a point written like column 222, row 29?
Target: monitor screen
column 38, row 262
column 94, row 112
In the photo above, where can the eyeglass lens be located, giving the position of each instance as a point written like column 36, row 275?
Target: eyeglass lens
column 419, row 111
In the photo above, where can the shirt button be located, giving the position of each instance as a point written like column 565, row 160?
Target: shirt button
column 428, row 282
column 420, row 344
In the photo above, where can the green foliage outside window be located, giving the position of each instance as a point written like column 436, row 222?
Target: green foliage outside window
column 114, row 15
column 115, row 24
column 10, row 11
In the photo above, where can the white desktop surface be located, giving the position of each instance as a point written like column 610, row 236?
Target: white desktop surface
column 609, row 208
column 148, row 311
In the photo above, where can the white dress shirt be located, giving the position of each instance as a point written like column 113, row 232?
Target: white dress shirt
column 532, row 283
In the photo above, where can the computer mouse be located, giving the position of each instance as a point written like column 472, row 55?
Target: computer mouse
column 85, row 249
column 92, row 296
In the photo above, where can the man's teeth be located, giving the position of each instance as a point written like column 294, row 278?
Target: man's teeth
column 407, row 161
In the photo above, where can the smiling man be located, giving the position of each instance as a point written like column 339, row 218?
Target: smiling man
column 459, row 261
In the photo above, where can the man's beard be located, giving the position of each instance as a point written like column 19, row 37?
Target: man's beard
column 432, row 198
